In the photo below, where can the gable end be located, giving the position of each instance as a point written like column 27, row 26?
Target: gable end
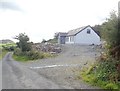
column 85, row 28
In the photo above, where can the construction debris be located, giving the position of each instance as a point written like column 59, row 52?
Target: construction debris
column 47, row 47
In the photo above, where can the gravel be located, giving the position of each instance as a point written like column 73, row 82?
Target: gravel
column 64, row 69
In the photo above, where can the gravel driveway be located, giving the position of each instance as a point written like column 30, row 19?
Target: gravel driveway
column 63, row 69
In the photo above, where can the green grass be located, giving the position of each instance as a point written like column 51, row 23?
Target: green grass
column 97, row 82
column 25, row 58
column 91, row 78
column 48, row 55
column 20, row 58
column 3, row 54
column 8, row 44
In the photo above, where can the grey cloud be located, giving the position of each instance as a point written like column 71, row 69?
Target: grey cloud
column 9, row 5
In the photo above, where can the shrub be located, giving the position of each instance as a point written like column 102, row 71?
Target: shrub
column 41, row 55
column 30, row 55
column 12, row 48
column 107, row 70
column 18, row 52
column 103, row 73
column 33, row 55
column 46, row 55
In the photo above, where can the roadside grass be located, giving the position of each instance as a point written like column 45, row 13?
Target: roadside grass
column 48, row 55
column 20, row 58
column 33, row 57
column 93, row 77
column 2, row 54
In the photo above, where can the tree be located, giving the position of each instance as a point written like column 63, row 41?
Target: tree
column 56, row 35
column 111, row 33
column 110, row 29
column 23, row 43
column 97, row 28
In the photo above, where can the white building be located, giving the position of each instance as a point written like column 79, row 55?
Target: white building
column 84, row 35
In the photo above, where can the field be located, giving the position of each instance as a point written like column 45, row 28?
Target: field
column 4, row 47
column 7, row 45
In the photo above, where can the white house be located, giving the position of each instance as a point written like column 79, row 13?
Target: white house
column 84, row 35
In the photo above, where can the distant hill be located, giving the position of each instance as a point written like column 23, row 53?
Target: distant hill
column 5, row 41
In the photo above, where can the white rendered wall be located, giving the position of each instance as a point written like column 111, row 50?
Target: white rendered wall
column 70, row 42
column 87, row 39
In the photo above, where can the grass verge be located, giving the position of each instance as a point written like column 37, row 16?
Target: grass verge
column 92, row 77
column 2, row 54
column 21, row 58
column 26, row 58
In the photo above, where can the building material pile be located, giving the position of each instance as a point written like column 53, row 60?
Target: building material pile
column 47, row 47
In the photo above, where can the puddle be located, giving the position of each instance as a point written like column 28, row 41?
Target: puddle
column 52, row 66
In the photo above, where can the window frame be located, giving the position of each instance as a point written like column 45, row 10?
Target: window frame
column 88, row 31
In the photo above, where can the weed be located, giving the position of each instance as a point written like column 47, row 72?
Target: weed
column 103, row 74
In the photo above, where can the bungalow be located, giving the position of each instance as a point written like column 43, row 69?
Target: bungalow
column 83, row 35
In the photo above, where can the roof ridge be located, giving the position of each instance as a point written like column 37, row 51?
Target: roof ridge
column 75, row 31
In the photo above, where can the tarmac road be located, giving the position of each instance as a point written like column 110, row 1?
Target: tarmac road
column 16, row 76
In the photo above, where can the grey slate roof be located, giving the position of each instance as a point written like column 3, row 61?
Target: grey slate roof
column 62, row 34
column 75, row 31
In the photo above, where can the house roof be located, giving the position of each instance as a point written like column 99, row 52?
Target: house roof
column 75, row 31
column 62, row 34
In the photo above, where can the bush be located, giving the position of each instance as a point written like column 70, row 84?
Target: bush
column 18, row 52
column 12, row 48
column 107, row 70
column 30, row 55
column 47, row 55
column 42, row 55
column 33, row 55
column 103, row 73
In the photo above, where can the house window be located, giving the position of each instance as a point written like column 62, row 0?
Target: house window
column 88, row 31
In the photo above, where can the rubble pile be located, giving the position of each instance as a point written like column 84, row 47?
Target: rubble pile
column 47, row 47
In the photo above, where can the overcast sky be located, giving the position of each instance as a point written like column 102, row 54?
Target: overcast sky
column 40, row 19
